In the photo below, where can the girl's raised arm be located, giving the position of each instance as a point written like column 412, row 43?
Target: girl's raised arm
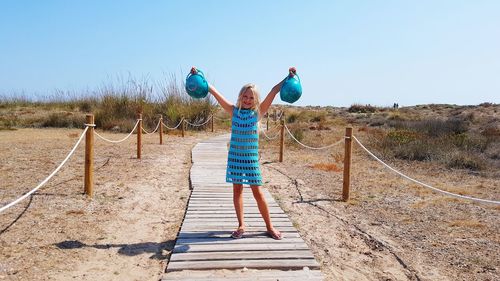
column 226, row 105
column 264, row 105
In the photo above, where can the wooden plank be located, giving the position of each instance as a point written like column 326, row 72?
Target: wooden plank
column 243, row 255
column 255, row 218
column 230, row 211
column 193, row 215
column 223, row 195
column 240, row 247
column 222, row 234
column 234, row 264
column 231, row 223
column 244, row 275
column 248, row 210
column 248, row 199
column 198, row 228
column 230, row 217
column 229, row 240
column 228, row 205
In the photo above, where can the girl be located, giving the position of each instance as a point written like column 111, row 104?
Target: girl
column 243, row 157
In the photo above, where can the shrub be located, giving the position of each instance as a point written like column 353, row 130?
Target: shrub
column 319, row 118
column 64, row 120
column 291, row 118
column 486, row 104
column 298, row 133
column 419, row 150
column 469, row 142
column 465, row 161
column 491, row 132
column 377, row 122
column 359, row 108
column 432, row 127
column 400, row 137
column 86, row 106
column 8, row 122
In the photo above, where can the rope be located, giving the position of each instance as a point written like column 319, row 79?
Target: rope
column 281, row 114
column 180, row 122
column 278, row 118
column 423, row 184
column 221, row 119
column 306, row 146
column 157, row 126
column 118, row 141
column 270, row 138
column 197, row 125
column 49, row 177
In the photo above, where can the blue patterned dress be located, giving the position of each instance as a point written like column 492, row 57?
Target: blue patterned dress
column 243, row 157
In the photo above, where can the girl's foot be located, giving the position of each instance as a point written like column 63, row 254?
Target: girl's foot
column 275, row 234
column 238, row 233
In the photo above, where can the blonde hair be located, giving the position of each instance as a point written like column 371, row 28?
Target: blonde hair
column 256, row 97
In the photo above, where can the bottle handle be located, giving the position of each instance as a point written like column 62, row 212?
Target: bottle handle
column 292, row 72
column 195, row 71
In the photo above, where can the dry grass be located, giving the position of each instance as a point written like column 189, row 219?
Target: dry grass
column 115, row 105
column 329, row 167
column 466, row 223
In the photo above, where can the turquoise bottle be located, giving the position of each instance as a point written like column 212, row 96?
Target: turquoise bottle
column 196, row 84
column 291, row 90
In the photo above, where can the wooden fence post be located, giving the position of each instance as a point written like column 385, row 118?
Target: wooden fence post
column 267, row 121
column 139, row 137
column 282, row 139
column 182, row 126
column 347, row 164
column 89, row 157
column 161, row 129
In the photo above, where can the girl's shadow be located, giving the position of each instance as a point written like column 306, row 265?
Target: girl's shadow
column 126, row 249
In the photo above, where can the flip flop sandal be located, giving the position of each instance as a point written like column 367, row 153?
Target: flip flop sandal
column 276, row 235
column 237, row 234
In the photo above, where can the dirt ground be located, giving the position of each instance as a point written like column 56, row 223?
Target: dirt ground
column 125, row 233
column 390, row 230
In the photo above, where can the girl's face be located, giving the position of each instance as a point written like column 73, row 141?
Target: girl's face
column 247, row 99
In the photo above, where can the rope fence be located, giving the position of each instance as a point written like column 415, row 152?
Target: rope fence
column 310, row 147
column 421, row 183
column 89, row 127
column 157, row 126
column 121, row 140
column 347, row 139
column 267, row 136
column 50, row 176
column 173, row 128
column 198, row 125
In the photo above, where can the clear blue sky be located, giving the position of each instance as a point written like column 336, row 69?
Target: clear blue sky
column 376, row 52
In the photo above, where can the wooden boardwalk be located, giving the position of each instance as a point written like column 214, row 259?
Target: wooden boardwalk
column 204, row 249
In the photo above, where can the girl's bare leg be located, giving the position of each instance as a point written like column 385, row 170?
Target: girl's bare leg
column 263, row 208
column 238, row 204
